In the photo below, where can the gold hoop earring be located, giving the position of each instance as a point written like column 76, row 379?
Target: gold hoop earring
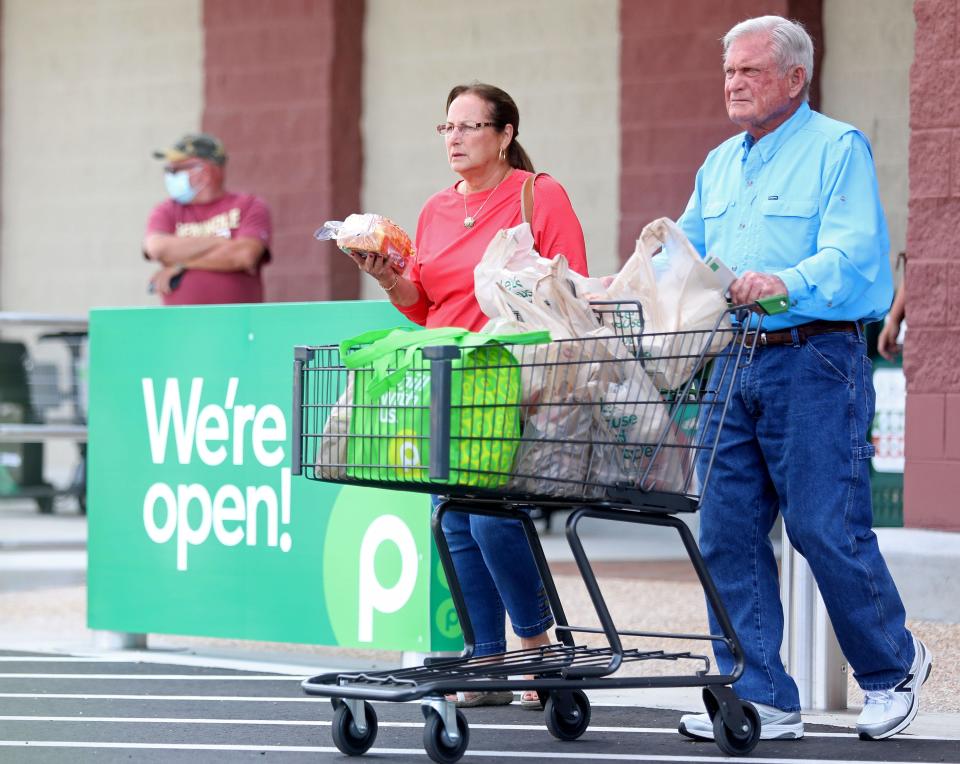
column 503, row 155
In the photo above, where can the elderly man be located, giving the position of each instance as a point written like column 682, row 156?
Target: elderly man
column 792, row 207
column 210, row 243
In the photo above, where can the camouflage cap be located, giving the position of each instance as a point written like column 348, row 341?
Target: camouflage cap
column 194, row 145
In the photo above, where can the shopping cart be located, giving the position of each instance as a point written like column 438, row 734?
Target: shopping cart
column 621, row 426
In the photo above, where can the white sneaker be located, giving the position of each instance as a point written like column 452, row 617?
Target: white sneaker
column 887, row 712
column 774, row 724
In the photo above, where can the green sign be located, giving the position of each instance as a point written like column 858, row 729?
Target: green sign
column 196, row 524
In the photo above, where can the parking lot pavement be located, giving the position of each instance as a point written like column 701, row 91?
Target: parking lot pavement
column 187, row 700
column 77, row 709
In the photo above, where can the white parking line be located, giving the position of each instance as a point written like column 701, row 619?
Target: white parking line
column 542, row 755
column 51, row 659
column 179, row 677
column 87, row 696
column 380, row 723
column 179, row 720
column 179, row 660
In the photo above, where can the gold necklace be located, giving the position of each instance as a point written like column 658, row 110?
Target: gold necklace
column 468, row 219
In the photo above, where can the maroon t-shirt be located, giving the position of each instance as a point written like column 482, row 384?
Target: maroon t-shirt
column 232, row 216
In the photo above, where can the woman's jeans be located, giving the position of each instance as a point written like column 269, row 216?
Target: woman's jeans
column 495, row 568
column 795, row 442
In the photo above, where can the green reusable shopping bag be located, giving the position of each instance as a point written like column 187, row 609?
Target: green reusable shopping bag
column 390, row 420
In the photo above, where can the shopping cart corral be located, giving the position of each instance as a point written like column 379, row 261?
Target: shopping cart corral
column 42, row 399
column 619, row 426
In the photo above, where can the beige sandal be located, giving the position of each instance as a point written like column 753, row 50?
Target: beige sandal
column 531, row 699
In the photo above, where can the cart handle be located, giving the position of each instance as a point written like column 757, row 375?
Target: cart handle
column 765, row 306
column 771, row 306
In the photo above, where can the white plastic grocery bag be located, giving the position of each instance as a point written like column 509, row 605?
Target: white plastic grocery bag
column 511, row 261
column 682, row 297
column 636, row 440
column 332, row 454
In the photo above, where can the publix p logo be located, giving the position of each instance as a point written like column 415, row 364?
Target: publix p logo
column 376, row 569
column 374, row 596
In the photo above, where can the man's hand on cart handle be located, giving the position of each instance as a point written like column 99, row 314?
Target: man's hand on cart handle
column 752, row 286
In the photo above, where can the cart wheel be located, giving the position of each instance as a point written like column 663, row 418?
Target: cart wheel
column 570, row 725
column 347, row 737
column 45, row 505
column 438, row 746
column 738, row 742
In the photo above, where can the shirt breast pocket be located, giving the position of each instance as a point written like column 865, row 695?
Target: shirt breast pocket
column 791, row 225
column 715, row 215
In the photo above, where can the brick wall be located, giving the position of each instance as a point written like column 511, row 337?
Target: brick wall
column 671, row 97
column 931, row 364
column 283, row 91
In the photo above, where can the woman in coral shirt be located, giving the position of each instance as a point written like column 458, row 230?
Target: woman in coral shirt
column 491, row 555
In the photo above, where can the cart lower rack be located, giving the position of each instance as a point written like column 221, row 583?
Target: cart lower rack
column 620, row 426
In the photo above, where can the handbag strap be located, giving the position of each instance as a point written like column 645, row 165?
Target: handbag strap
column 526, row 198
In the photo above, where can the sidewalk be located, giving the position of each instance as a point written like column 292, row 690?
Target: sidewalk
column 648, row 586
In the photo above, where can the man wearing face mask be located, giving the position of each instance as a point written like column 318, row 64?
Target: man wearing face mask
column 210, row 243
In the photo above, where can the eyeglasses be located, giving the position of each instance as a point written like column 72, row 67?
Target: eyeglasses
column 465, row 128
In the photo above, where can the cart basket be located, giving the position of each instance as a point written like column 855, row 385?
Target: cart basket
column 619, row 415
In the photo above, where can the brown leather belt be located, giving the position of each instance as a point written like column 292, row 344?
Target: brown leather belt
column 785, row 336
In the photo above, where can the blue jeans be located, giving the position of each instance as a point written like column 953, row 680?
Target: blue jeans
column 495, row 568
column 795, row 442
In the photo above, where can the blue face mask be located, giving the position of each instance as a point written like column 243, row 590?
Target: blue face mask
column 178, row 186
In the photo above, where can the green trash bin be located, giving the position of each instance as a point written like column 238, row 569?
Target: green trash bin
column 887, row 490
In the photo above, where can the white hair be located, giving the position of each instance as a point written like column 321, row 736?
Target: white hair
column 790, row 42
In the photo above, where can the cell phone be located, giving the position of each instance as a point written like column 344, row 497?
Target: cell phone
column 174, row 283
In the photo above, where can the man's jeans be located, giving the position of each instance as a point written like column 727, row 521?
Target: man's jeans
column 795, row 441
column 495, row 567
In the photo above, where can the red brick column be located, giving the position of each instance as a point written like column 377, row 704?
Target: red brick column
column 283, row 91
column 671, row 97
column 931, row 360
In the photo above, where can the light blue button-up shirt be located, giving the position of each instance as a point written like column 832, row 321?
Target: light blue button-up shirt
column 801, row 203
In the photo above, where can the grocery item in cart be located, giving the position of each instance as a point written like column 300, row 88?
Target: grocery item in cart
column 682, row 304
column 511, row 262
column 593, row 413
column 562, row 382
column 636, row 440
column 365, row 233
column 332, row 462
column 389, row 428
column 554, row 454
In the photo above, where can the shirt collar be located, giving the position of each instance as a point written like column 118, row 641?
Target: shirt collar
column 770, row 143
